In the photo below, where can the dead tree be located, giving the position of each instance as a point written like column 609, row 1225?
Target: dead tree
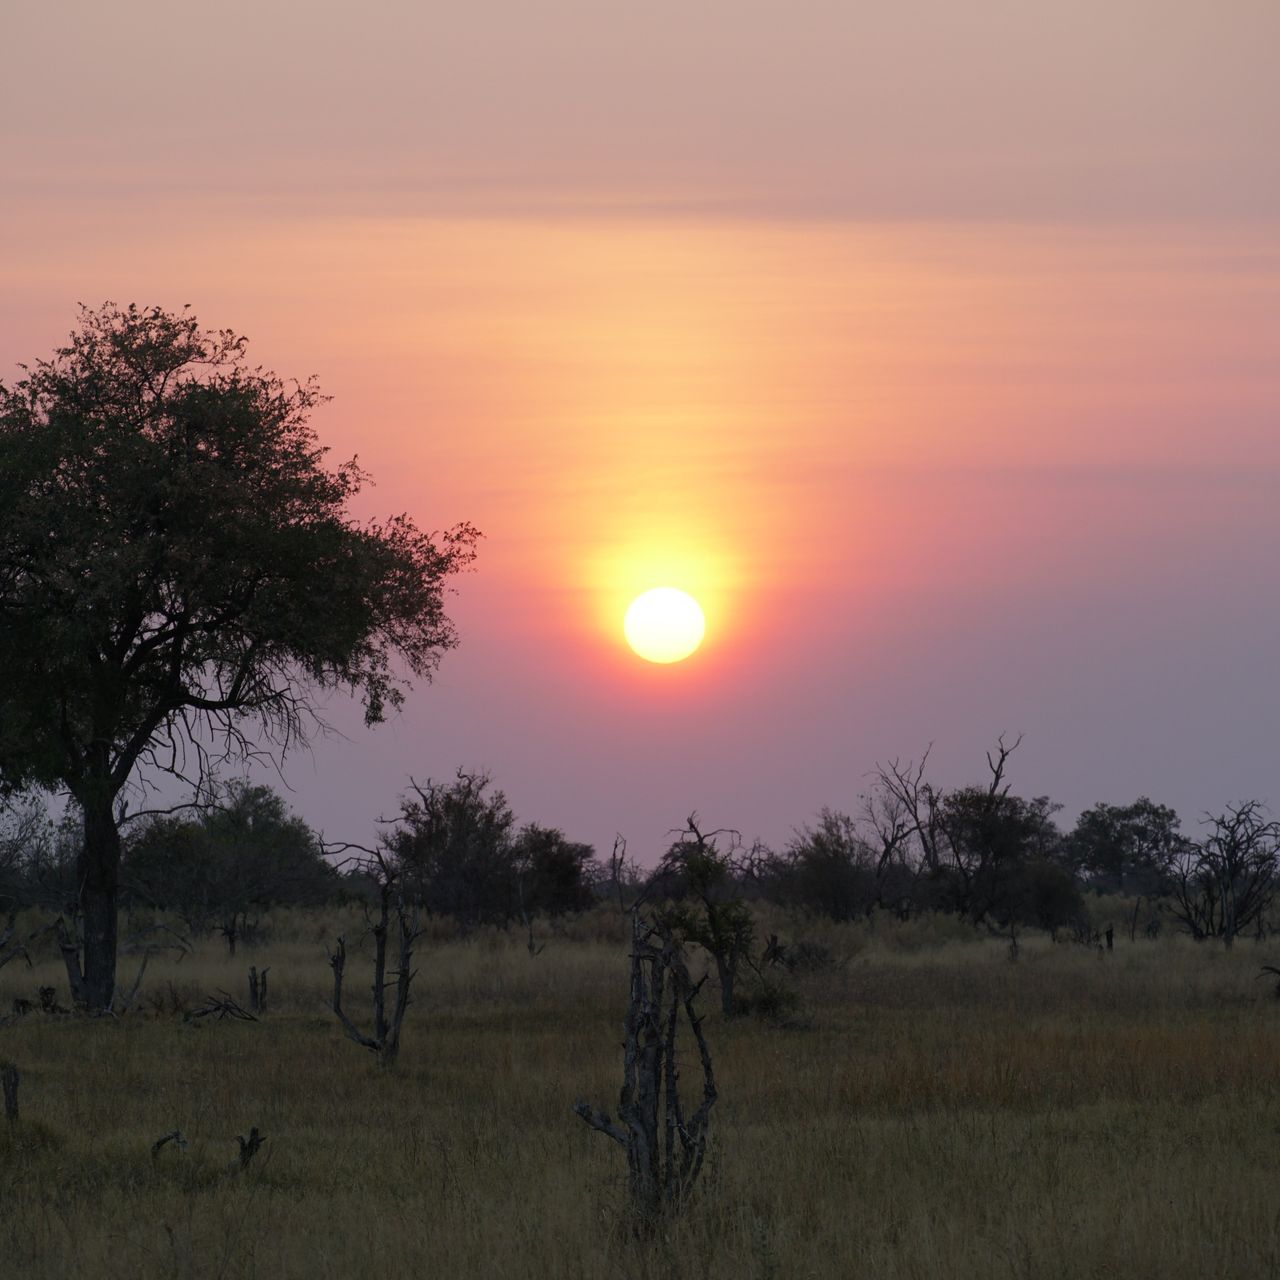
column 1227, row 881
column 249, row 1148
column 384, row 1041
column 9, row 1082
column 665, row 1149
column 258, row 988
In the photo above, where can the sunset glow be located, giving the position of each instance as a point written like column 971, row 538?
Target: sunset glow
column 750, row 528
column 941, row 374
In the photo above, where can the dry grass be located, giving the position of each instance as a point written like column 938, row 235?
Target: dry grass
column 939, row 1111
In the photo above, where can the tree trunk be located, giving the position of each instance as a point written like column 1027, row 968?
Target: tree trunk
column 649, row 1108
column 727, row 972
column 98, row 870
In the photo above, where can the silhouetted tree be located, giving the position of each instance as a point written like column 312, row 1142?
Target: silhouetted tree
column 178, row 574
column 456, row 846
column 981, row 851
column 453, row 844
column 992, row 837
column 1039, row 892
column 844, row 867
column 1127, row 848
column 827, row 868
column 243, row 854
column 706, row 883
column 1226, row 881
column 555, row 875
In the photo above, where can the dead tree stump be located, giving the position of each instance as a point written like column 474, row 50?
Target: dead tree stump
column 249, row 1148
column 9, row 1081
column 258, row 988
column 665, row 1149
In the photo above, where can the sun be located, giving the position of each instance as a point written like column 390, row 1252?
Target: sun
column 664, row 625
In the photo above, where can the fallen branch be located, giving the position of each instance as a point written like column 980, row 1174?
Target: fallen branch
column 174, row 1136
column 220, row 1007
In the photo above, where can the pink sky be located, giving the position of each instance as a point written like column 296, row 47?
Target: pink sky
column 934, row 350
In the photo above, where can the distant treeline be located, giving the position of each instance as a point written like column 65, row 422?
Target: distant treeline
column 910, row 846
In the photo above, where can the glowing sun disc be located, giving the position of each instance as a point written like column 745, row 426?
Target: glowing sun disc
column 664, row 625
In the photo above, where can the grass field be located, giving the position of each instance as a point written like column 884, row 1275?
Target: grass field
column 936, row 1110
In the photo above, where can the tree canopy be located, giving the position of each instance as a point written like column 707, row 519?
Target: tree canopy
column 179, row 567
column 243, row 853
column 458, row 849
column 1130, row 846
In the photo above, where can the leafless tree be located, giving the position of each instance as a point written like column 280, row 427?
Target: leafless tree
column 393, row 910
column 919, row 802
column 665, row 1148
column 888, row 827
column 625, row 879
column 1225, row 882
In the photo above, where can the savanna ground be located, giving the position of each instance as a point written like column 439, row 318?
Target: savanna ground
column 936, row 1110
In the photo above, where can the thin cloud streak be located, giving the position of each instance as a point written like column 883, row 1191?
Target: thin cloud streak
column 1099, row 110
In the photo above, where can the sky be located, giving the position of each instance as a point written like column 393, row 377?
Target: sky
column 932, row 347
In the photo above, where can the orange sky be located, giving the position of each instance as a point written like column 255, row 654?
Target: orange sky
column 961, row 424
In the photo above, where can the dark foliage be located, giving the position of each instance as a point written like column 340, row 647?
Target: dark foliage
column 178, row 568
column 1127, row 848
column 244, row 854
column 704, row 887
column 460, row 854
